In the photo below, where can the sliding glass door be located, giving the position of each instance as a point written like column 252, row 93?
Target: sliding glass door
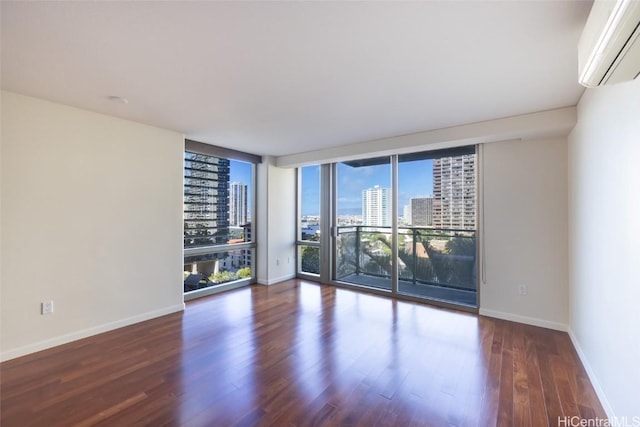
column 363, row 240
column 406, row 224
column 437, row 228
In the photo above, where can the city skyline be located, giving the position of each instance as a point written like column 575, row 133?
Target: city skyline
column 415, row 179
column 439, row 191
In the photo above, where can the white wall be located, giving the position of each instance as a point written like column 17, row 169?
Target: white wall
column 276, row 212
column 525, row 231
column 604, row 242
column 91, row 219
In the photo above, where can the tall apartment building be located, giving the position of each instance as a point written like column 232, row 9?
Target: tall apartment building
column 421, row 211
column 454, row 191
column 376, row 207
column 406, row 213
column 206, row 200
column 237, row 204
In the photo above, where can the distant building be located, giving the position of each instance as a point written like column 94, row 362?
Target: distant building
column 238, row 258
column 237, row 204
column 206, row 200
column 310, row 231
column 406, row 213
column 421, row 211
column 376, row 207
column 350, row 220
column 454, row 192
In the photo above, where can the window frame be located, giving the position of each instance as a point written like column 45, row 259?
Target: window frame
column 329, row 221
column 251, row 245
column 300, row 242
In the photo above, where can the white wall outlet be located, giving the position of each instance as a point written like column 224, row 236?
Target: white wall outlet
column 277, row 261
column 46, row 307
column 523, row 289
column 288, row 260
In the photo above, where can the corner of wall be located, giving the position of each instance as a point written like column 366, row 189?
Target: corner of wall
column 276, row 214
column 524, row 319
column 591, row 374
column 603, row 243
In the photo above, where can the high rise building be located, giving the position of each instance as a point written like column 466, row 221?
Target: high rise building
column 406, row 213
column 376, row 207
column 454, row 191
column 237, row 204
column 421, row 211
column 206, row 200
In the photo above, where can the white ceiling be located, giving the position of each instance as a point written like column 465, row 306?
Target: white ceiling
column 280, row 78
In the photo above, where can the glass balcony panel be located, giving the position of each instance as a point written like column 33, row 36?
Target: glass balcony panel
column 435, row 264
column 364, row 256
column 438, row 264
column 217, row 268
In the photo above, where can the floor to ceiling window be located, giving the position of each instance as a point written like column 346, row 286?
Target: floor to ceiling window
column 437, row 225
column 403, row 224
column 219, row 244
column 363, row 243
column 308, row 243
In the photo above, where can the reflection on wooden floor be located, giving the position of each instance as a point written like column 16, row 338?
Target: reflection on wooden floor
column 451, row 295
column 298, row 354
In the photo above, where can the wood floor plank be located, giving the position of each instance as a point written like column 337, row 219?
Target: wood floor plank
column 549, row 384
column 303, row 354
column 491, row 398
column 505, row 407
column 521, row 411
column 537, row 408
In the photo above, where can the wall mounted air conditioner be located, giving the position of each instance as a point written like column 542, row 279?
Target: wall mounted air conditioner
column 609, row 48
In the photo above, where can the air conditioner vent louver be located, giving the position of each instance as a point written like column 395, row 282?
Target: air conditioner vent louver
column 609, row 49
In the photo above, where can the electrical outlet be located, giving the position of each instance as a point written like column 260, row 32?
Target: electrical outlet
column 523, row 290
column 46, row 307
column 278, row 261
column 288, row 260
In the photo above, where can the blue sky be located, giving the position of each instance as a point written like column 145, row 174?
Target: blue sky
column 241, row 172
column 415, row 179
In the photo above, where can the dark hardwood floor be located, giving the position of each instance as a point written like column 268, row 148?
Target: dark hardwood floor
column 298, row 354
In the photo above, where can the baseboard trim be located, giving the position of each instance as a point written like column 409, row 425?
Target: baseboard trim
column 592, row 376
column 84, row 333
column 277, row 279
column 523, row 319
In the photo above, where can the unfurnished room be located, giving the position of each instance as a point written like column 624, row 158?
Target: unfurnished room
column 320, row 213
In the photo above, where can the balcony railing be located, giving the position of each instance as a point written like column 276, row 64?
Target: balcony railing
column 205, row 269
column 428, row 258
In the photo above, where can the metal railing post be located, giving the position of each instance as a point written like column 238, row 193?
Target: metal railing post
column 415, row 255
column 357, row 250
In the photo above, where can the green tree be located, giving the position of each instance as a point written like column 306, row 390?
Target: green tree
column 222, row 277
column 310, row 259
column 244, row 273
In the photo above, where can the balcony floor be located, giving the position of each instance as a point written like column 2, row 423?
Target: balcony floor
column 438, row 293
